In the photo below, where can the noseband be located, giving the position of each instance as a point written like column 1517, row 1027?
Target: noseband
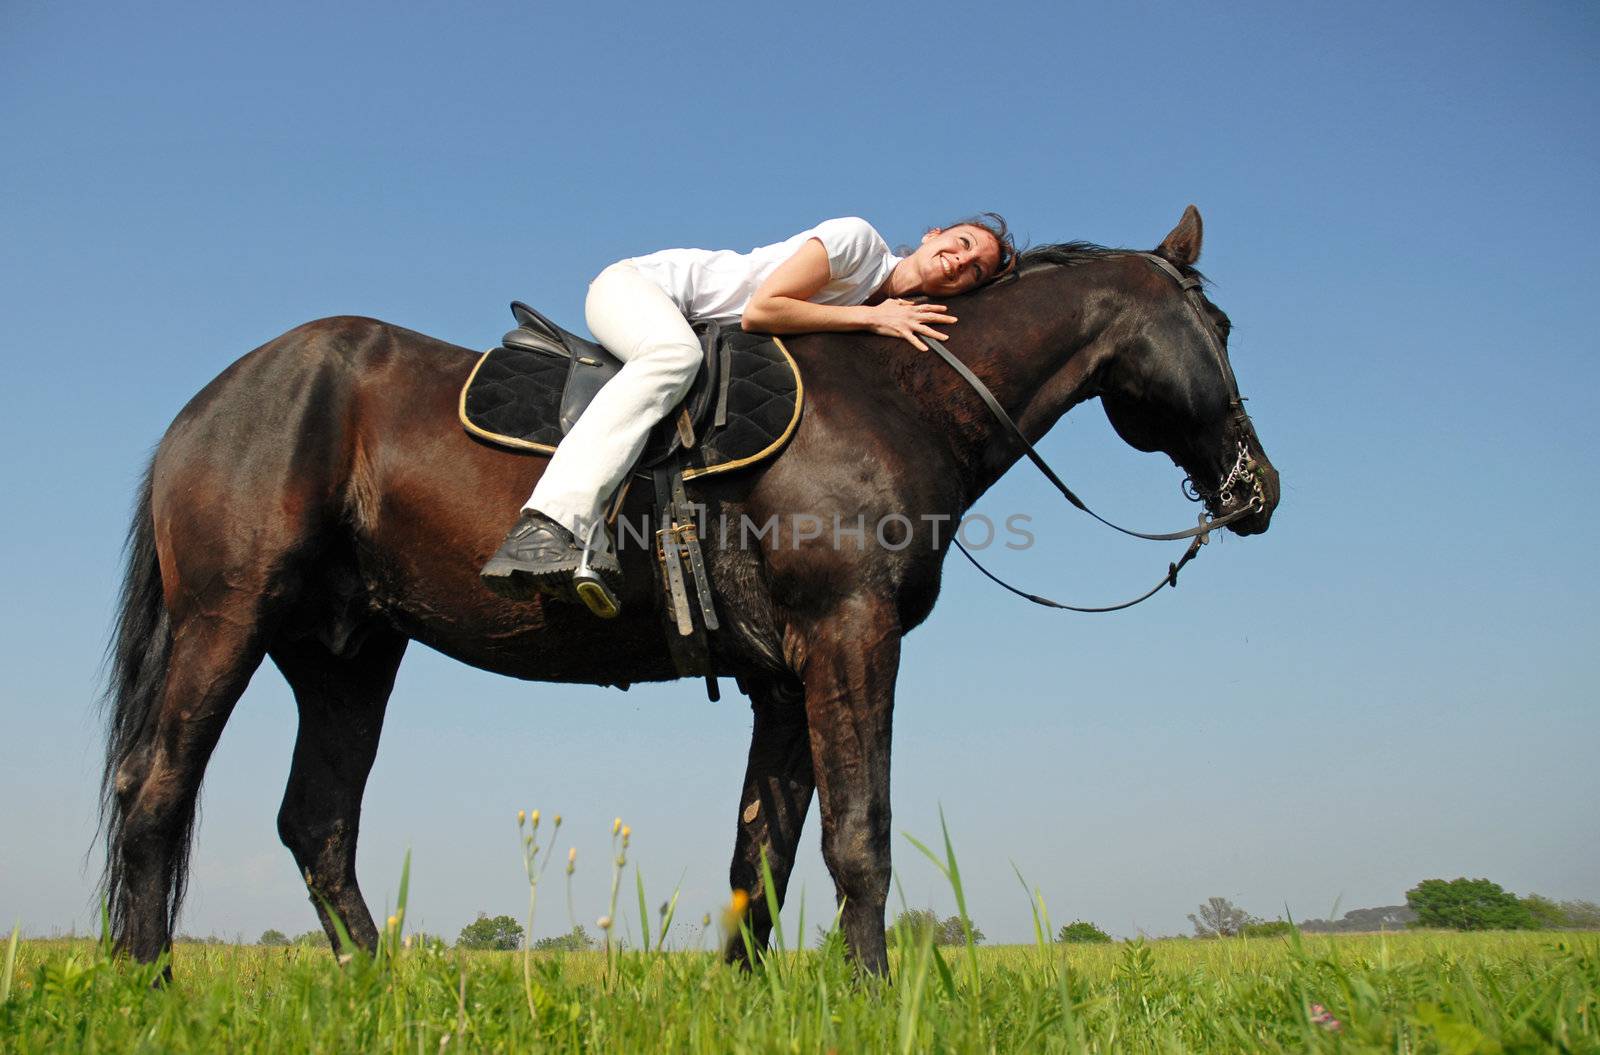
column 1244, row 466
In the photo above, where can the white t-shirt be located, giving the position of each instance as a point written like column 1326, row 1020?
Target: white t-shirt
column 716, row 284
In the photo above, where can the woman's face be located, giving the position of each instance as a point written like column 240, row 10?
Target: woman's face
column 956, row 260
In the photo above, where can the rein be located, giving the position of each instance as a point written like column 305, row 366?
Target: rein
column 1198, row 535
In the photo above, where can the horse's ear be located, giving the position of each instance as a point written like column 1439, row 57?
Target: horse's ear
column 1182, row 246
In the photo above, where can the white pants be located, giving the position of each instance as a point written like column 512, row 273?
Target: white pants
column 638, row 323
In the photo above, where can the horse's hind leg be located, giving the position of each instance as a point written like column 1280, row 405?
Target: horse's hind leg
column 342, row 701
column 778, row 786
column 157, row 782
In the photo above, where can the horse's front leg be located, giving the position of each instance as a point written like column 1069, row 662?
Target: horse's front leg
column 848, row 665
column 778, row 786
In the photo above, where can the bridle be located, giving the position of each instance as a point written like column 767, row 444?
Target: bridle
column 1244, row 466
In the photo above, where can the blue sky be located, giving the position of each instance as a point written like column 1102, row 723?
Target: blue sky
column 1391, row 685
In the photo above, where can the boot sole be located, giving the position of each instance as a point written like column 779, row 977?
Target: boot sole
column 516, row 583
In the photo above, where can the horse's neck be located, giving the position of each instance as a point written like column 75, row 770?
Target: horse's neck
column 1033, row 362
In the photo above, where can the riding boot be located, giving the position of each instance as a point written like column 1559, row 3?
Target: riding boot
column 539, row 556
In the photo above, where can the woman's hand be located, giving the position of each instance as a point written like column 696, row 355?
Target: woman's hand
column 783, row 305
column 907, row 319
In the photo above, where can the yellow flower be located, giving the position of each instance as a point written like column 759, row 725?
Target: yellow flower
column 522, row 818
column 558, row 820
column 572, row 855
column 604, row 923
column 616, row 826
column 534, row 816
column 733, row 915
column 394, row 921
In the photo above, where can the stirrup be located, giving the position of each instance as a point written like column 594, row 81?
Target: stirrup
column 590, row 586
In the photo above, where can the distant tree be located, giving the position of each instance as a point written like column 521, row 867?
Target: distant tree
column 1562, row 915
column 951, row 932
column 1262, row 928
column 273, row 937
column 1219, row 918
column 1387, row 917
column 921, row 923
column 914, row 923
column 1545, row 913
column 310, row 937
column 1081, row 932
column 575, row 940
column 499, row 932
column 1581, row 915
column 1467, row 904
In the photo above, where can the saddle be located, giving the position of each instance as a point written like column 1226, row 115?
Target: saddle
column 744, row 404
column 742, row 408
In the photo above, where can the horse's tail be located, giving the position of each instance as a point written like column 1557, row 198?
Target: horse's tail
column 137, row 659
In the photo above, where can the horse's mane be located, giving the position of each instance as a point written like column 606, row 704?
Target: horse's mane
column 1067, row 254
column 1071, row 254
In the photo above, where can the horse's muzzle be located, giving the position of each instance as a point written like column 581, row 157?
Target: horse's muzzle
column 1264, row 493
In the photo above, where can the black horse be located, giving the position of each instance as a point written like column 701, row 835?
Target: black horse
column 319, row 504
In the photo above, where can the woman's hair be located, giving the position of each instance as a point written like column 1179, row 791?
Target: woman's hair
column 996, row 225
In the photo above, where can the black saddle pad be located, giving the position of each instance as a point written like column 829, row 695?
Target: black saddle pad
column 513, row 399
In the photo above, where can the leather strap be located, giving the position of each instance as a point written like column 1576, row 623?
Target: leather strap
column 672, row 569
column 724, row 379
column 1170, row 579
column 687, row 640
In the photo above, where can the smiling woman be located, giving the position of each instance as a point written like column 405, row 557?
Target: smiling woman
column 839, row 275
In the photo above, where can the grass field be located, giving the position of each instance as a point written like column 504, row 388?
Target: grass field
column 1414, row 991
column 1410, row 992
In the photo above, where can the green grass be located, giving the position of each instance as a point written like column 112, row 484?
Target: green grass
column 1413, row 992
column 1418, row 991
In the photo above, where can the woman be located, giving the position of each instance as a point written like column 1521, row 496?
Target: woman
column 839, row 275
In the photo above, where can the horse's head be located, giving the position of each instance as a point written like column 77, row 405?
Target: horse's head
column 1167, row 384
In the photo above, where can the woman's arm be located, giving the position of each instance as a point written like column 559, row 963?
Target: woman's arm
column 782, row 304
